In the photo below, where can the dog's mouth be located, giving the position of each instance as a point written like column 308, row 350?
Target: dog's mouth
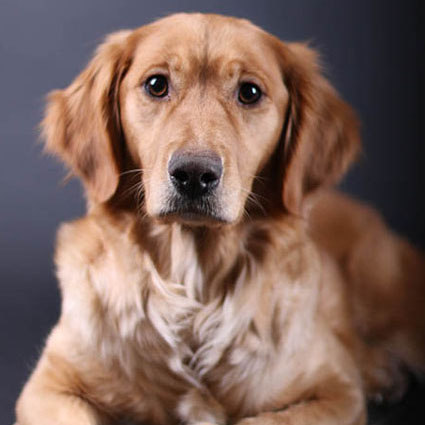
column 192, row 219
column 196, row 212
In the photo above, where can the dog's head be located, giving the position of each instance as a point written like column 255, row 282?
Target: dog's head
column 202, row 105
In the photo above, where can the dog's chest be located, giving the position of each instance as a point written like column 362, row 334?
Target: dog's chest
column 169, row 337
column 201, row 338
column 217, row 354
column 226, row 345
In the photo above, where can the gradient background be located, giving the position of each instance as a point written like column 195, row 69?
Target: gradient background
column 374, row 51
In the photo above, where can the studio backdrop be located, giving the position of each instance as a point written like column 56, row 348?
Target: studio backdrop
column 374, row 55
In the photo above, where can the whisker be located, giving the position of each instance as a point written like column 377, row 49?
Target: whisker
column 257, row 177
column 132, row 189
column 257, row 203
column 257, row 195
column 246, row 214
column 135, row 170
column 254, row 198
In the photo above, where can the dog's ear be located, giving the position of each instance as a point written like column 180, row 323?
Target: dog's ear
column 322, row 137
column 82, row 124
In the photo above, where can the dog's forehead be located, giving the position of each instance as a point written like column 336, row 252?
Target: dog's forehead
column 189, row 41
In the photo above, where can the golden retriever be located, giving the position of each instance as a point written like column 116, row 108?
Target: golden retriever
column 214, row 279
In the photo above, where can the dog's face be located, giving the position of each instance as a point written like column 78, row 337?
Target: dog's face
column 202, row 109
column 200, row 103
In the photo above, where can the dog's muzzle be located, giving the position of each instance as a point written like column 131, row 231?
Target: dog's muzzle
column 193, row 196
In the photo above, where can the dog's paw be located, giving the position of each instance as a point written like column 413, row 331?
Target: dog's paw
column 248, row 421
column 204, row 423
column 386, row 380
column 393, row 391
column 268, row 418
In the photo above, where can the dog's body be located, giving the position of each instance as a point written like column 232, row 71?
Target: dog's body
column 252, row 296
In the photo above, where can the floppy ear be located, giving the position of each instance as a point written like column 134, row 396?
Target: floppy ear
column 82, row 124
column 322, row 136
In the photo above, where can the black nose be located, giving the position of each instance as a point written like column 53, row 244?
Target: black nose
column 195, row 174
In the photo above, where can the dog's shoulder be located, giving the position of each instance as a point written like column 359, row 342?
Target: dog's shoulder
column 95, row 254
column 85, row 240
column 78, row 241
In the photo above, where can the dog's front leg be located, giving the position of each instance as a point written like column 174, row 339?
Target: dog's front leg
column 334, row 402
column 45, row 401
column 198, row 407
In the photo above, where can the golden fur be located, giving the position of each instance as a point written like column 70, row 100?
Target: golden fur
column 292, row 305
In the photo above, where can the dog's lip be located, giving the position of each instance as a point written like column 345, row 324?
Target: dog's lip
column 191, row 217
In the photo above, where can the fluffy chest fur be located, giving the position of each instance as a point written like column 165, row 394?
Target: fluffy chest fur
column 215, row 325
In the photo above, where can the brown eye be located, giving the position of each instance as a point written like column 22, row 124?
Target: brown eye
column 157, row 86
column 249, row 93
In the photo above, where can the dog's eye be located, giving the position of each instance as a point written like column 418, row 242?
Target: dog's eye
column 157, row 86
column 249, row 93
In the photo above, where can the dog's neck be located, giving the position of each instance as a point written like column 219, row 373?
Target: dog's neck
column 201, row 259
column 207, row 261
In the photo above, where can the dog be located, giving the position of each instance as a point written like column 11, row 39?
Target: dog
column 217, row 277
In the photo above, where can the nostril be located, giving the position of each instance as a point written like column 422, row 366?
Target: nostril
column 207, row 179
column 181, row 176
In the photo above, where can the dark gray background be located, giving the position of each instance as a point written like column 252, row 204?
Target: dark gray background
column 374, row 51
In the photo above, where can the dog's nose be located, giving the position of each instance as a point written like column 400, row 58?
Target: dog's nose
column 195, row 174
